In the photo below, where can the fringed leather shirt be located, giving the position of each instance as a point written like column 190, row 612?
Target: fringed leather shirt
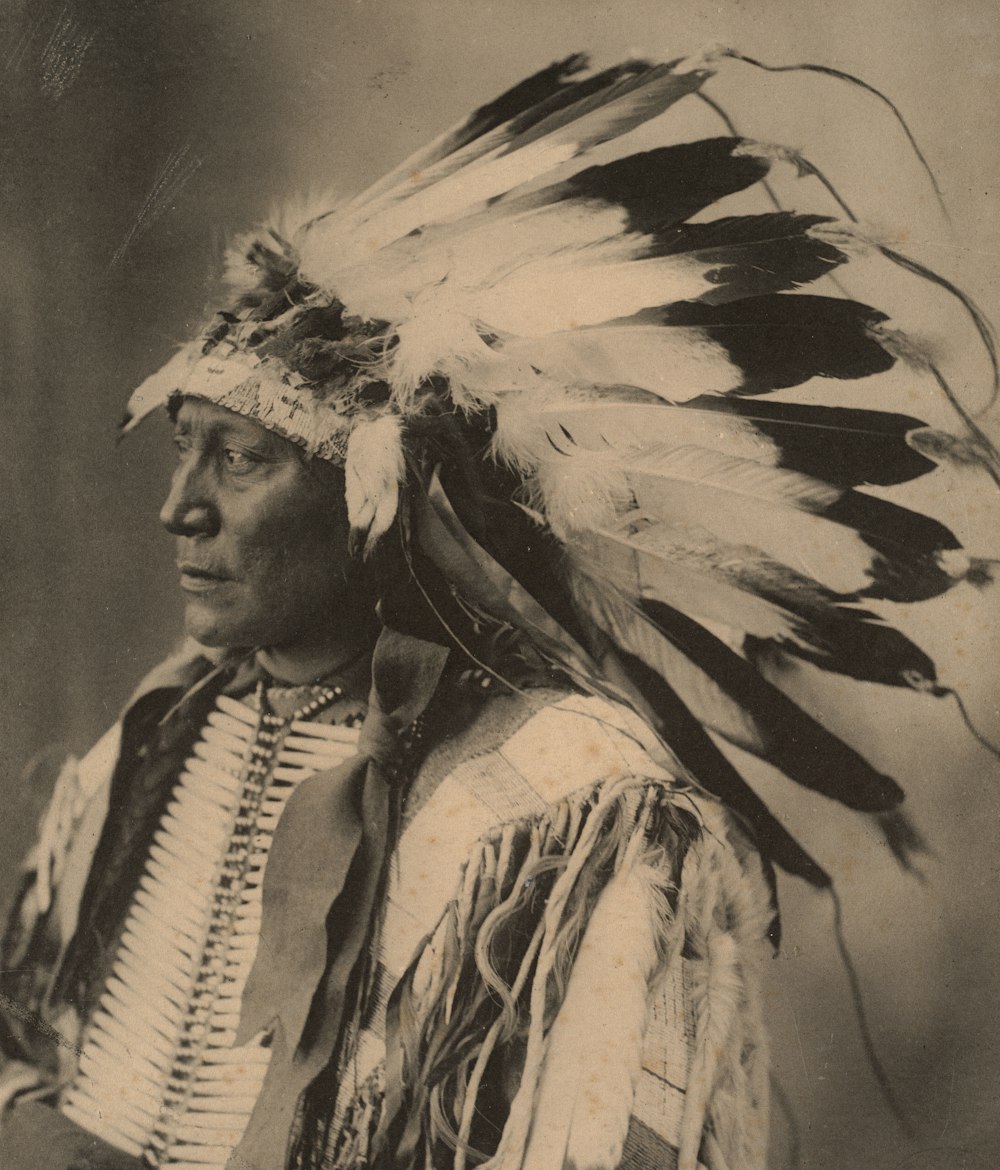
column 563, row 968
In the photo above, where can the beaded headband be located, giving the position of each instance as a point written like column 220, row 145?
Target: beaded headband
column 283, row 353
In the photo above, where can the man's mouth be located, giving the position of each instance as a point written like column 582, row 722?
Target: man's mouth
column 199, row 577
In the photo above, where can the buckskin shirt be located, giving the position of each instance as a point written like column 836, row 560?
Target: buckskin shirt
column 562, row 965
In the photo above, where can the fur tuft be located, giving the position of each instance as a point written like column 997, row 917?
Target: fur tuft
column 374, row 471
column 727, row 909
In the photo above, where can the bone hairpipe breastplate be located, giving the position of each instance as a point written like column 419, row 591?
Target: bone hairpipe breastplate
column 159, row 1076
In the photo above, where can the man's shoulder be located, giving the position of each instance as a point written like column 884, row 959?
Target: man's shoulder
column 526, row 750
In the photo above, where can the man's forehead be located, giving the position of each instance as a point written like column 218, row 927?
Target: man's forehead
column 196, row 415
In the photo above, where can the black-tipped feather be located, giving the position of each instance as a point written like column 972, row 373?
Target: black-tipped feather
column 845, row 639
column 529, row 101
column 908, row 543
column 793, row 742
column 753, row 255
column 858, row 646
column 596, row 87
column 660, row 188
column 641, row 89
column 782, row 341
column 837, row 444
column 512, row 112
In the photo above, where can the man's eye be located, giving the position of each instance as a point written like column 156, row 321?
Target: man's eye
column 239, row 461
column 182, row 445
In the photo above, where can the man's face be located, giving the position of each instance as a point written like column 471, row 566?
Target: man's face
column 261, row 540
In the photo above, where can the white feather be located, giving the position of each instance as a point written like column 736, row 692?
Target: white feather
column 766, row 508
column 568, row 293
column 610, row 424
column 374, row 470
column 676, row 363
column 594, row 1053
column 472, row 252
column 656, row 473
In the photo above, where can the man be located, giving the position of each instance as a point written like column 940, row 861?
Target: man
column 423, row 853
column 262, row 551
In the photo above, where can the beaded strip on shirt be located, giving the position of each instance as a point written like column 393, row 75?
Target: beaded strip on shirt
column 158, row 1075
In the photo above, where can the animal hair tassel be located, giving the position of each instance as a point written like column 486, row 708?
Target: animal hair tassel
column 514, row 1141
column 594, row 1056
column 715, row 1015
column 724, row 906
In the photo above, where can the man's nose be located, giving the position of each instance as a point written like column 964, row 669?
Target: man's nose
column 189, row 509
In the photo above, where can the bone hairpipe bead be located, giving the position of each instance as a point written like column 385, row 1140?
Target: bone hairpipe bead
column 236, row 709
column 85, row 1117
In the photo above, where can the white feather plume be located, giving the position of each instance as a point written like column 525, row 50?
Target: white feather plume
column 374, row 470
column 578, row 492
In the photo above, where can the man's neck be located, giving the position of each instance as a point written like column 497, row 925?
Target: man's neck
column 348, row 665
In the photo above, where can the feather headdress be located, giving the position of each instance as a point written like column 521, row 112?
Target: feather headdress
column 556, row 375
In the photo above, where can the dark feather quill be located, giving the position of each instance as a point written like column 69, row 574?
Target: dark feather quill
column 793, row 742
column 713, row 772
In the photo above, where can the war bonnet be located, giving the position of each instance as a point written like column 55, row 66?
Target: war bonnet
column 557, row 374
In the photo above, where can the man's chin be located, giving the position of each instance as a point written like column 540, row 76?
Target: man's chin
column 217, row 631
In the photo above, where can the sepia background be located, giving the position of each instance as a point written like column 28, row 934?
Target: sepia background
column 137, row 135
